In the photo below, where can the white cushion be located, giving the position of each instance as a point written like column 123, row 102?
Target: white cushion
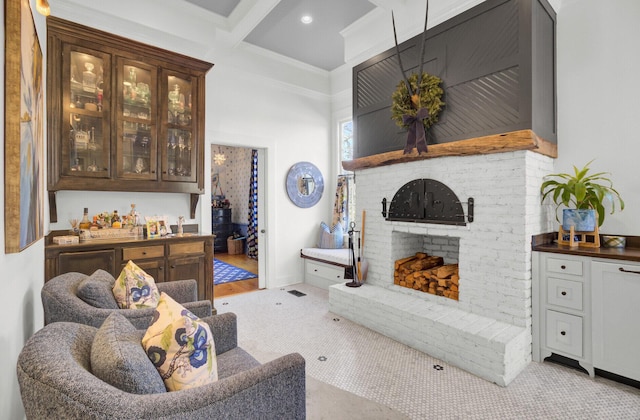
column 330, row 238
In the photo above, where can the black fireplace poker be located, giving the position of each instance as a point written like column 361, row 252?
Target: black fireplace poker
column 351, row 272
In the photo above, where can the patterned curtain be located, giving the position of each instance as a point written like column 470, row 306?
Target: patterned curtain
column 252, row 229
column 340, row 208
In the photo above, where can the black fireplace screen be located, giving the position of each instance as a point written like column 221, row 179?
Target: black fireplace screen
column 427, row 201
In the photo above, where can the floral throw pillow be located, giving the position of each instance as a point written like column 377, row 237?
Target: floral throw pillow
column 181, row 346
column 135, row 289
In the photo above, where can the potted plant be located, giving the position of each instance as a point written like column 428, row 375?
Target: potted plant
column 583, row 194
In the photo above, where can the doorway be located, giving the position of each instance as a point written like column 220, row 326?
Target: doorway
column 236, row 183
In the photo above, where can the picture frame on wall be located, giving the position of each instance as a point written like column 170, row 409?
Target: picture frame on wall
column 24, row 129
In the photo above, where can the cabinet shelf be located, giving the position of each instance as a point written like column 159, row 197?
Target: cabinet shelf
column 87, row 113
column 137, row 85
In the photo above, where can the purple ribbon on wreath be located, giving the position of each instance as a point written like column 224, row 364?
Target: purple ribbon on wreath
column 416, row 136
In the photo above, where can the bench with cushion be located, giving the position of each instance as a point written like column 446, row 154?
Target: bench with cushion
column 325, row 267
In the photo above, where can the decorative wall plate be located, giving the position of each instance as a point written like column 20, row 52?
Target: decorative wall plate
column 305, row 184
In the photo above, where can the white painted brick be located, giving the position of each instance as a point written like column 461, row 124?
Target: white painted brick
column 487, row 331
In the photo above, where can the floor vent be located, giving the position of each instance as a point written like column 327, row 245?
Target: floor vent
column 297, row 293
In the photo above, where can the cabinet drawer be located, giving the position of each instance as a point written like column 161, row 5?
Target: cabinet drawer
column 325, row 271
column 154, row 268
column 565, row 293
column 557, row 265
column 221, row 219
column 138, row 253
column 186, row 248
column 564, row 333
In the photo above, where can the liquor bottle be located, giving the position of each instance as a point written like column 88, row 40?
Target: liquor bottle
column 115, row 220
column 85, row 223
column 88, row 78
column 133, row 215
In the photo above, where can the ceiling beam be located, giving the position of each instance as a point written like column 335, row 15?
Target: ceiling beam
column 389, row 4
column 246, row 16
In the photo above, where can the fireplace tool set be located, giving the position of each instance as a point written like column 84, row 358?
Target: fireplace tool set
column 358, row 267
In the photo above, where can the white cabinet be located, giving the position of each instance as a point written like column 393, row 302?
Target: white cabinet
column 616, row 317
column 321, row 274
column 562, row 308
column 587, row 309
column 564, row 333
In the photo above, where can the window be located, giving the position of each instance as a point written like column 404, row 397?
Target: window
column 346, row 140
column 346, row 153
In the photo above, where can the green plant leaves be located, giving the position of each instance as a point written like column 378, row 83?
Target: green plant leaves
column 582, row 191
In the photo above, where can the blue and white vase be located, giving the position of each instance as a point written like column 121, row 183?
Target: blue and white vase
column 582, row 220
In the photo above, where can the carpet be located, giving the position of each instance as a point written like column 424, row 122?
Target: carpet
column 227, row 273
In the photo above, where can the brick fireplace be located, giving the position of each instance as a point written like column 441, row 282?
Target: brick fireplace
column 488, row 330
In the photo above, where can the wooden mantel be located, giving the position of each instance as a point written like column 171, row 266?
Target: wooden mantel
column 497, row 143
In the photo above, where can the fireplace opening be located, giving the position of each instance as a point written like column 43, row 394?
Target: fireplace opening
column 426, row 263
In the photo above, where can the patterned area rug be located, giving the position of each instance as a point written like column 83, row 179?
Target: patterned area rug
column 227, row 273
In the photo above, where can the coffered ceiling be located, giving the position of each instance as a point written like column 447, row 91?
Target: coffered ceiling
column 276, row 25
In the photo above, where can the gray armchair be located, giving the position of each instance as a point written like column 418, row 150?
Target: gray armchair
column 76, row 297
column 56, row 380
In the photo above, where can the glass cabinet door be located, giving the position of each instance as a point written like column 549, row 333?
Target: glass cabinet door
column 179, row 148
column 136, row 151
column 85, row 104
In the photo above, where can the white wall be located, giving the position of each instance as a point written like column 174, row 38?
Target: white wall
column 20, row 283
column 598, row 97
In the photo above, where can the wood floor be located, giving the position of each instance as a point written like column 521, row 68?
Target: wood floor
column 236, row 287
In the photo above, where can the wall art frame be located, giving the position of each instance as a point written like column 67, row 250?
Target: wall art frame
column 24, row 129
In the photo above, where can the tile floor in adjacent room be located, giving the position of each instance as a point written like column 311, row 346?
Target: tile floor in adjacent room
column 341, row 353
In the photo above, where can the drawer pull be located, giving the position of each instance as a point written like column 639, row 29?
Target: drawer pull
column 563, row 293
column 315, row 269
column 564, row 267
column 628, row 271
column 144, row 252
column 563, row 333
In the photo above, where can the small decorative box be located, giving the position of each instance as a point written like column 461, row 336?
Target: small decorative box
column 614, row 241
column 66, row 240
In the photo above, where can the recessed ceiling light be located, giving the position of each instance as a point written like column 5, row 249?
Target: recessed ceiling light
column 306, row 19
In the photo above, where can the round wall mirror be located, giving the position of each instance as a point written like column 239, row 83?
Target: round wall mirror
column 304, row 184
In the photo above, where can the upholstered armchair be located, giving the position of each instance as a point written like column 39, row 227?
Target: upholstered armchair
column 76, row 297
column 59, row 379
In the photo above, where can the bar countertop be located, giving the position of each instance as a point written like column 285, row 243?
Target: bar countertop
column 547, row 242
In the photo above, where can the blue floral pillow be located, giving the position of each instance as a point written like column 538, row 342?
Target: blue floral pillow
column 181, row 346
column 135, row 289
column 331, row 238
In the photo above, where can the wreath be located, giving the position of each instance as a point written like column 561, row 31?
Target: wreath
column 429, row 97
